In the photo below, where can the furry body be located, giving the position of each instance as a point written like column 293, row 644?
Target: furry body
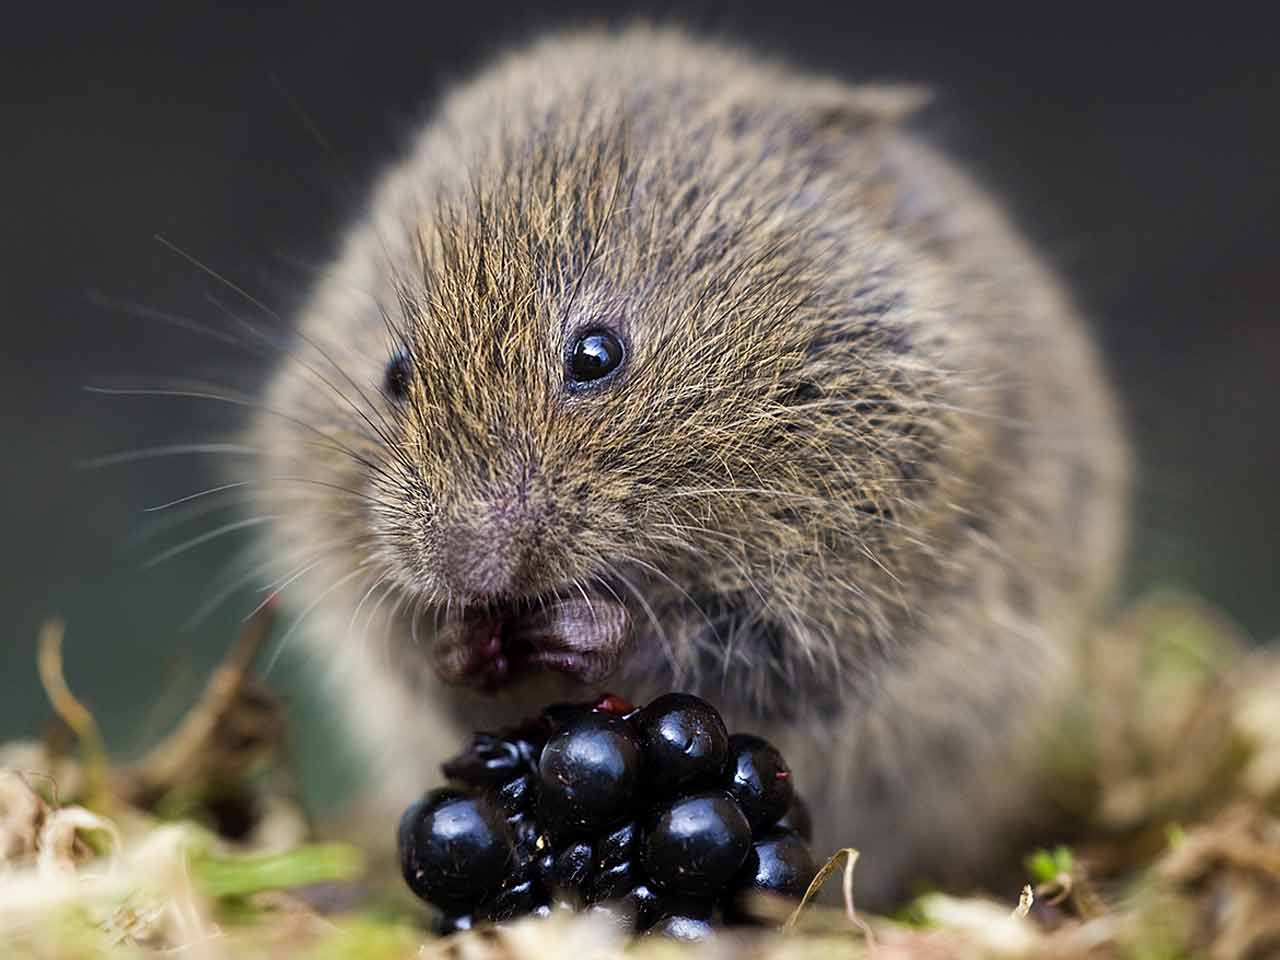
column 859, row 482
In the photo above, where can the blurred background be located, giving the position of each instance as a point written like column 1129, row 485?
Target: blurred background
column 1143, row 158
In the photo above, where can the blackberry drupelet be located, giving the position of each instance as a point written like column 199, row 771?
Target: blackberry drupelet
column 656, row 817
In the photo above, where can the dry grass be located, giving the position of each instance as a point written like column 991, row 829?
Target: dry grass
column 1165, row 780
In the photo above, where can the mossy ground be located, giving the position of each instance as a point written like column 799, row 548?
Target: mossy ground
column 1163, row 784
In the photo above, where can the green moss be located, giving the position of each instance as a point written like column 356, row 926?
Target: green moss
column 368, row 939
column 239, row 876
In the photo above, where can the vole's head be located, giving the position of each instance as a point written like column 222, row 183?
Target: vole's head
column 620, row 405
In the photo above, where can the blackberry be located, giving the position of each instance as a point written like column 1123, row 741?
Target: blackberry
column 455, row 848
column 617, row 847
column 697, row 844
column 588, row 773
column 574, row 866
column 760, row 779
column 489, row 760
column 797, row 818
column 516, row 795
column 635, row 909
column 656, row 817
column 685, row 741
column 779, row 863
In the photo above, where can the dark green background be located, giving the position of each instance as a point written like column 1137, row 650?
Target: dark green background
column 1142, row 155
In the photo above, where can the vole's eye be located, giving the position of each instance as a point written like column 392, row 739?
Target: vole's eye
column 595, row 355
column 399, row 372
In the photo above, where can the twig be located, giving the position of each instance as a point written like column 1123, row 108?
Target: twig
column 178, row 758
column 74, row 713
column 1025, row 902
column 26, row 776
column 850, row 857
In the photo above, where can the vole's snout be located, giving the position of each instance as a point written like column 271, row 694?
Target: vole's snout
column 512, row 608
column 493, row 551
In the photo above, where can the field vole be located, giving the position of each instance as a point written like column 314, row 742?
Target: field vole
column 656, row 365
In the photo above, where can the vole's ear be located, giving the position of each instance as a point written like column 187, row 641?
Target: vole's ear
column 836, row 106
column 821, row 114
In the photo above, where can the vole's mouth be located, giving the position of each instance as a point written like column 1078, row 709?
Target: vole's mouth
column 488, row 646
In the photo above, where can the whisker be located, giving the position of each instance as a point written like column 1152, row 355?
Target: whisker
column 382, row 432
column 156, row 526
column 681, row 527
column 274, row 590
column 179, row 321
column 274, row 348
column 171, row 450
column 577, row 584
column 355, row 613
column 353, row 189
column 677, row 668
column 209, row 271
column 226, row 591
column 206, row 537
column 241, row 484
column 827, row 503
column 297, row 624
column 402, row 598
column 415, row 614
column 373, row 611
column 227, row 574
column 685, row 593
column 199, row 494
column 240, row 402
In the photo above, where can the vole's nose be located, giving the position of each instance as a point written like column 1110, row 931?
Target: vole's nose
column 493, row 552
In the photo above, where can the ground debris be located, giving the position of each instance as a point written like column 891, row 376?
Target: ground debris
column 22, row 814
column 1230, row 869
column 236, row 726
column 1161, row 805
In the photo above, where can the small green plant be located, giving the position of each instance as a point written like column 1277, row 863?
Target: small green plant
column 1047, row 866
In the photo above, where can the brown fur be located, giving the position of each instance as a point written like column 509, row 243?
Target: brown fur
column 859, row 481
